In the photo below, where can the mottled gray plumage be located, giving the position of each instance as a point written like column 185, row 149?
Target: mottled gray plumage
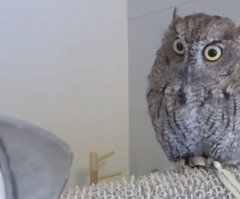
column 194, row 88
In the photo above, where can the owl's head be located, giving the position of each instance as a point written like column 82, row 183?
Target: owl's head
column 201, row 47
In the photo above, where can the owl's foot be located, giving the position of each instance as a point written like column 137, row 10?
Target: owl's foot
column 231, row 163
column 209, row 163
column 199, row 161
column 195, row 161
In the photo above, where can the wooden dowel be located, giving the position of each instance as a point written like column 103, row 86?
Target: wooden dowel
column 93, row 168
column 110, row 175
column 93, row 159
column 106, row 155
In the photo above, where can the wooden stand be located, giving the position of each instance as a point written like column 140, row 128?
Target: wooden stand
column 94, row 168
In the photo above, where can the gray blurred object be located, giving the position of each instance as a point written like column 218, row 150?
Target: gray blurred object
column 34, row 162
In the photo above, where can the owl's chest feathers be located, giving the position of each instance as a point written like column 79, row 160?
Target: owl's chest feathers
column 196, row 108
column 198, row 120
column 185, row 98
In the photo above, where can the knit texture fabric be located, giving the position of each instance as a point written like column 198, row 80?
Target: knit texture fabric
column 185, row 183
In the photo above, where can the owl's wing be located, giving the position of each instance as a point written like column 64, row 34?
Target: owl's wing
column 157, row 85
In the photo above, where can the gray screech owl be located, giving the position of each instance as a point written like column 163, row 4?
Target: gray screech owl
column 194, row 88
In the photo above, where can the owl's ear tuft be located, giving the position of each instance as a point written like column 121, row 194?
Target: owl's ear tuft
column 175, row 14
column 237, row 32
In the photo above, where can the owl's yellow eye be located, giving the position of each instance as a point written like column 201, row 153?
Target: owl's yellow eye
column 178, row 47
column 212, row 53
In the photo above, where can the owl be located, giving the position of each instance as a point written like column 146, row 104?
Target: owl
column 194, row 88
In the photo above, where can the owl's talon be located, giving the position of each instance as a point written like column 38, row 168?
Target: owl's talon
column 199, row 161
column 196, row 161
column 209, row 163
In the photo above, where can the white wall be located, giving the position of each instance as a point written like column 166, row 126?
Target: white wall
column 147, row 21
column 63, row 66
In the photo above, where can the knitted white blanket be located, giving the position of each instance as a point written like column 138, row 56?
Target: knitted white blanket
column 191, row 183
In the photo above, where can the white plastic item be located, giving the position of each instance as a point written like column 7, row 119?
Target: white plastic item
column 181, row 183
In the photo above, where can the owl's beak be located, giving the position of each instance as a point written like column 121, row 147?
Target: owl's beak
column 193, row 71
